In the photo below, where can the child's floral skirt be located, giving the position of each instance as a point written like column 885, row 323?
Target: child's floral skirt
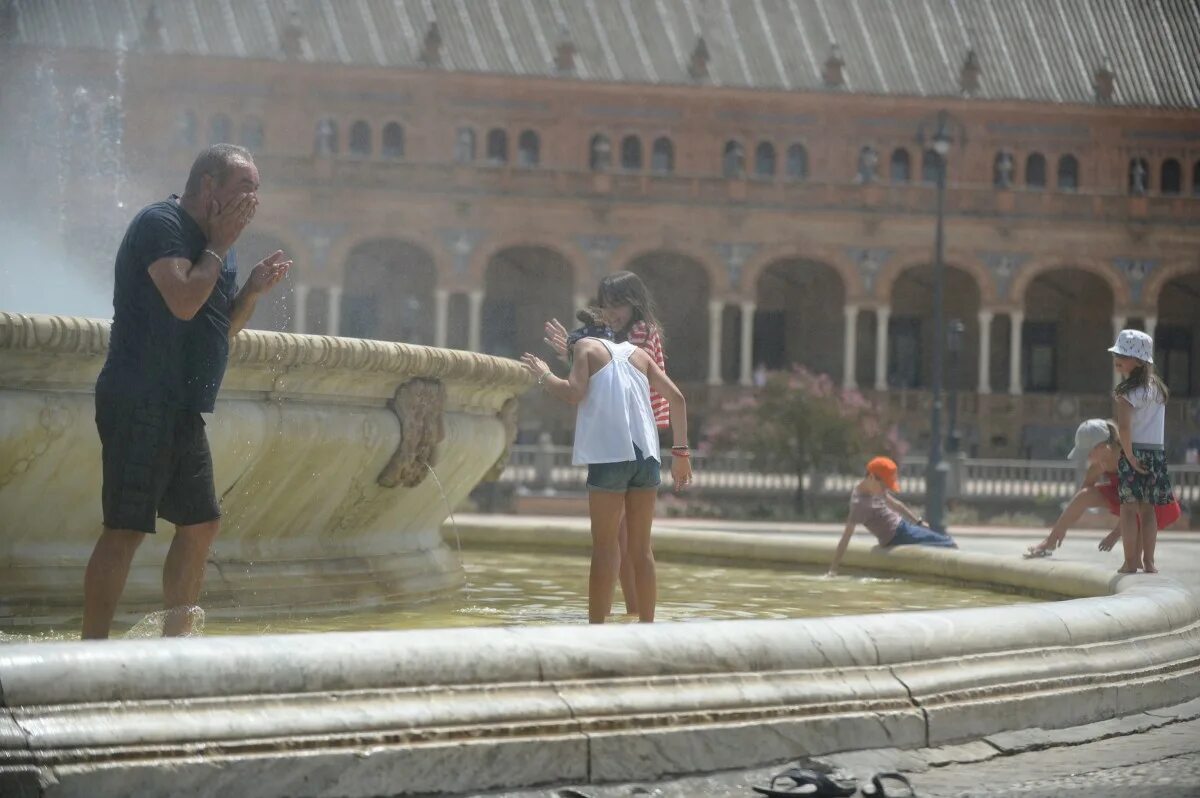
column 1153, row 487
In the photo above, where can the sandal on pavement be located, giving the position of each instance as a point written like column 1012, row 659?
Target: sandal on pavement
column 798, row 781
column 902, row 788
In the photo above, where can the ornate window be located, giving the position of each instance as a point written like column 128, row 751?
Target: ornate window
column 528, row 149
column 392, row 145
column 631, row 153
column 1035, row 171
column 764, row 159
column 900, row 168
column 1068, row 173
column 497, row 145
column 662, row 156
column 360, row 138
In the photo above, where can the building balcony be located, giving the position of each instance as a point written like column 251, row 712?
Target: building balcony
column 481, row 179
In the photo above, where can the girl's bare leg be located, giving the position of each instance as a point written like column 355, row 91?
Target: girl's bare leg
column 605, row 510
column 1085, row 498
column 639, row 516
column 1129, row 540
column 628, row 580
column 1149, row 537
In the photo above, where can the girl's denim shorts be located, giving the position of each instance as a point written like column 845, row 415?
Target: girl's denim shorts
column 642, row 473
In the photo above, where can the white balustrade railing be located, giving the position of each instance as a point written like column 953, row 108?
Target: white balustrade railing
column 537, row 467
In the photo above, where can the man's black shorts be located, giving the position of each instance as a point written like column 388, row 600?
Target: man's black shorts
column 156, row 463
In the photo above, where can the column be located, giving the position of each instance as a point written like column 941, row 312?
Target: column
column 985, row 351
column 335, row 309
column 1014, row 352
column 882, row 314
column 715, row 310
column 475, row 320
column 850, row 347
column 747, row 370
column 300, row 313
column 1152, row 321
column 441, row 307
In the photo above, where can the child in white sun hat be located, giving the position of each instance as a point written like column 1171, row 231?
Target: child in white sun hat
column 1142, row 479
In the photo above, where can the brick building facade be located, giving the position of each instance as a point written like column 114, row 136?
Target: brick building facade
column 456, row 184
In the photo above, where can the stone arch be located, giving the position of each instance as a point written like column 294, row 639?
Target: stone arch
column 799, row 312
column 388, row 292
column 1030, row 271
column 1158, row 279
column 488, row 248
column 1177, row 334
column 1068, row 314
column 339, row 249
column 898, row 265
column 681, row 287
column 838, row 262
column 524, row 285
column 911, row 331
column 717, row 274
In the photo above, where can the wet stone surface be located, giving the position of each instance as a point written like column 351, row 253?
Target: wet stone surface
column 1163, row 762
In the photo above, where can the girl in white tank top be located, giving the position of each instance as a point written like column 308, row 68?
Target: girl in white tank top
column 616, row 438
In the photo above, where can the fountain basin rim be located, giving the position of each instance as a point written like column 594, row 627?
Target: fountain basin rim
column 85, row 341
column 43, row 673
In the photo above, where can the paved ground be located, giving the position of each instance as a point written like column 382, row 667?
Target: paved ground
column 1155, row 754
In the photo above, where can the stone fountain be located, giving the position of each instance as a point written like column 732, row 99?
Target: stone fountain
column 328, row 455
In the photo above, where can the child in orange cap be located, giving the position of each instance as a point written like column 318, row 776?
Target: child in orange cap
column 885, row 516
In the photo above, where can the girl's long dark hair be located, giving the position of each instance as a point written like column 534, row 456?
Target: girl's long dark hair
column 626, row 288
column 1143, row 377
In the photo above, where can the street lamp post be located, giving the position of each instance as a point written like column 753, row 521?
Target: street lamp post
column 938, row 134
column 954, row 341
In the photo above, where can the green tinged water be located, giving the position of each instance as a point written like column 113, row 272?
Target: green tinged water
column 512, row 587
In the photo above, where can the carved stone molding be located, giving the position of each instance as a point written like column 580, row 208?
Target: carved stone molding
column 420, row 406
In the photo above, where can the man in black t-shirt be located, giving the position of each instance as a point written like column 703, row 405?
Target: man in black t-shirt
column 175, row 307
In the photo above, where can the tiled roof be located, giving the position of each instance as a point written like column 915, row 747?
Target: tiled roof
column 1040, row 50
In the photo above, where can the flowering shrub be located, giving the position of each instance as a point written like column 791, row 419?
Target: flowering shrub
column 801, row 422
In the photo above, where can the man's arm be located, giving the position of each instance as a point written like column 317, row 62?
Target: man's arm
column 843, row 544
column 266, row 274
column 186, row 286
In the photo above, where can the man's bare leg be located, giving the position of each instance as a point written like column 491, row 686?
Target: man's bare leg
column 183, row 575
column 104, row 579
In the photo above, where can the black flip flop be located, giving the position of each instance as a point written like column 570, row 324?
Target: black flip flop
column 875, row 788
column 805, row 782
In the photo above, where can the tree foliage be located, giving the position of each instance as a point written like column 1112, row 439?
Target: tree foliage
column 802, row 423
